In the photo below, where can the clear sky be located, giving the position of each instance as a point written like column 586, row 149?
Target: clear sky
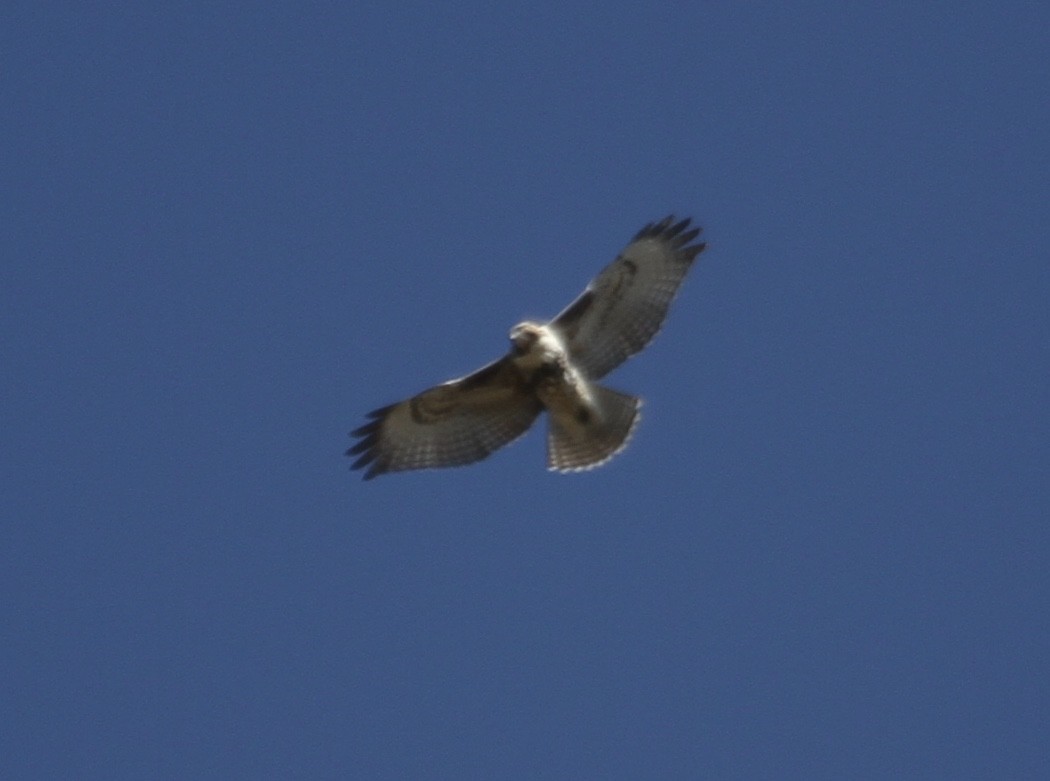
column 230, row 230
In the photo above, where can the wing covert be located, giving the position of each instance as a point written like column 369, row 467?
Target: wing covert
column 624, row 307
column 455, row 423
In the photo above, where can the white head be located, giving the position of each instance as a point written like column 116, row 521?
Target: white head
column 524, row 336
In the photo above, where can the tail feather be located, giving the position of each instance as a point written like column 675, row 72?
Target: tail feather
column 590, row 437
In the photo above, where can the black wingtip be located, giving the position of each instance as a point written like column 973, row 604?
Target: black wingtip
column 366, row 448
column 370, row 429
column 678, row 227
column 656, row 228
column 675, row 234
column 690, row 253
column 366, row 455
column 366, row 459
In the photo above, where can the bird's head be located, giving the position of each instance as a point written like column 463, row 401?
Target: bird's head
column 523, row 336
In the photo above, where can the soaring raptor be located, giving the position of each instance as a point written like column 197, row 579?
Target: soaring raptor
column 552, row 367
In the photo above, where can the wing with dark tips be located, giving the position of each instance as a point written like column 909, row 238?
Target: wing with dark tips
column 452, row 424
column 623, row 308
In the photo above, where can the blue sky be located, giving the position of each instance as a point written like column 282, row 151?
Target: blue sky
column 229, row 231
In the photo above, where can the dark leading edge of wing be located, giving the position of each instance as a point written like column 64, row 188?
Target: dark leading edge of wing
column 452, row 424
column 625, row 305
column 663, row 230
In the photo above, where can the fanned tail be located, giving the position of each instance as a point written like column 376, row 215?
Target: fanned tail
column 586, row 439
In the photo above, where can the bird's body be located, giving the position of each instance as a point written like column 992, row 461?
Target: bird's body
column 552, row 367
column 588, row 424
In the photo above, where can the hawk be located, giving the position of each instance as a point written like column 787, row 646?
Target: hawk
column 552, row 367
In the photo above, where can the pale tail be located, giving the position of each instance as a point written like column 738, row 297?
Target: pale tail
column 583, row 441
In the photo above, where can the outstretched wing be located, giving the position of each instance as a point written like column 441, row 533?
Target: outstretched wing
column 624, row 306
column 455, row 423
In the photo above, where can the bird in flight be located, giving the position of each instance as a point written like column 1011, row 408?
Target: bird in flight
column 552, row 367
